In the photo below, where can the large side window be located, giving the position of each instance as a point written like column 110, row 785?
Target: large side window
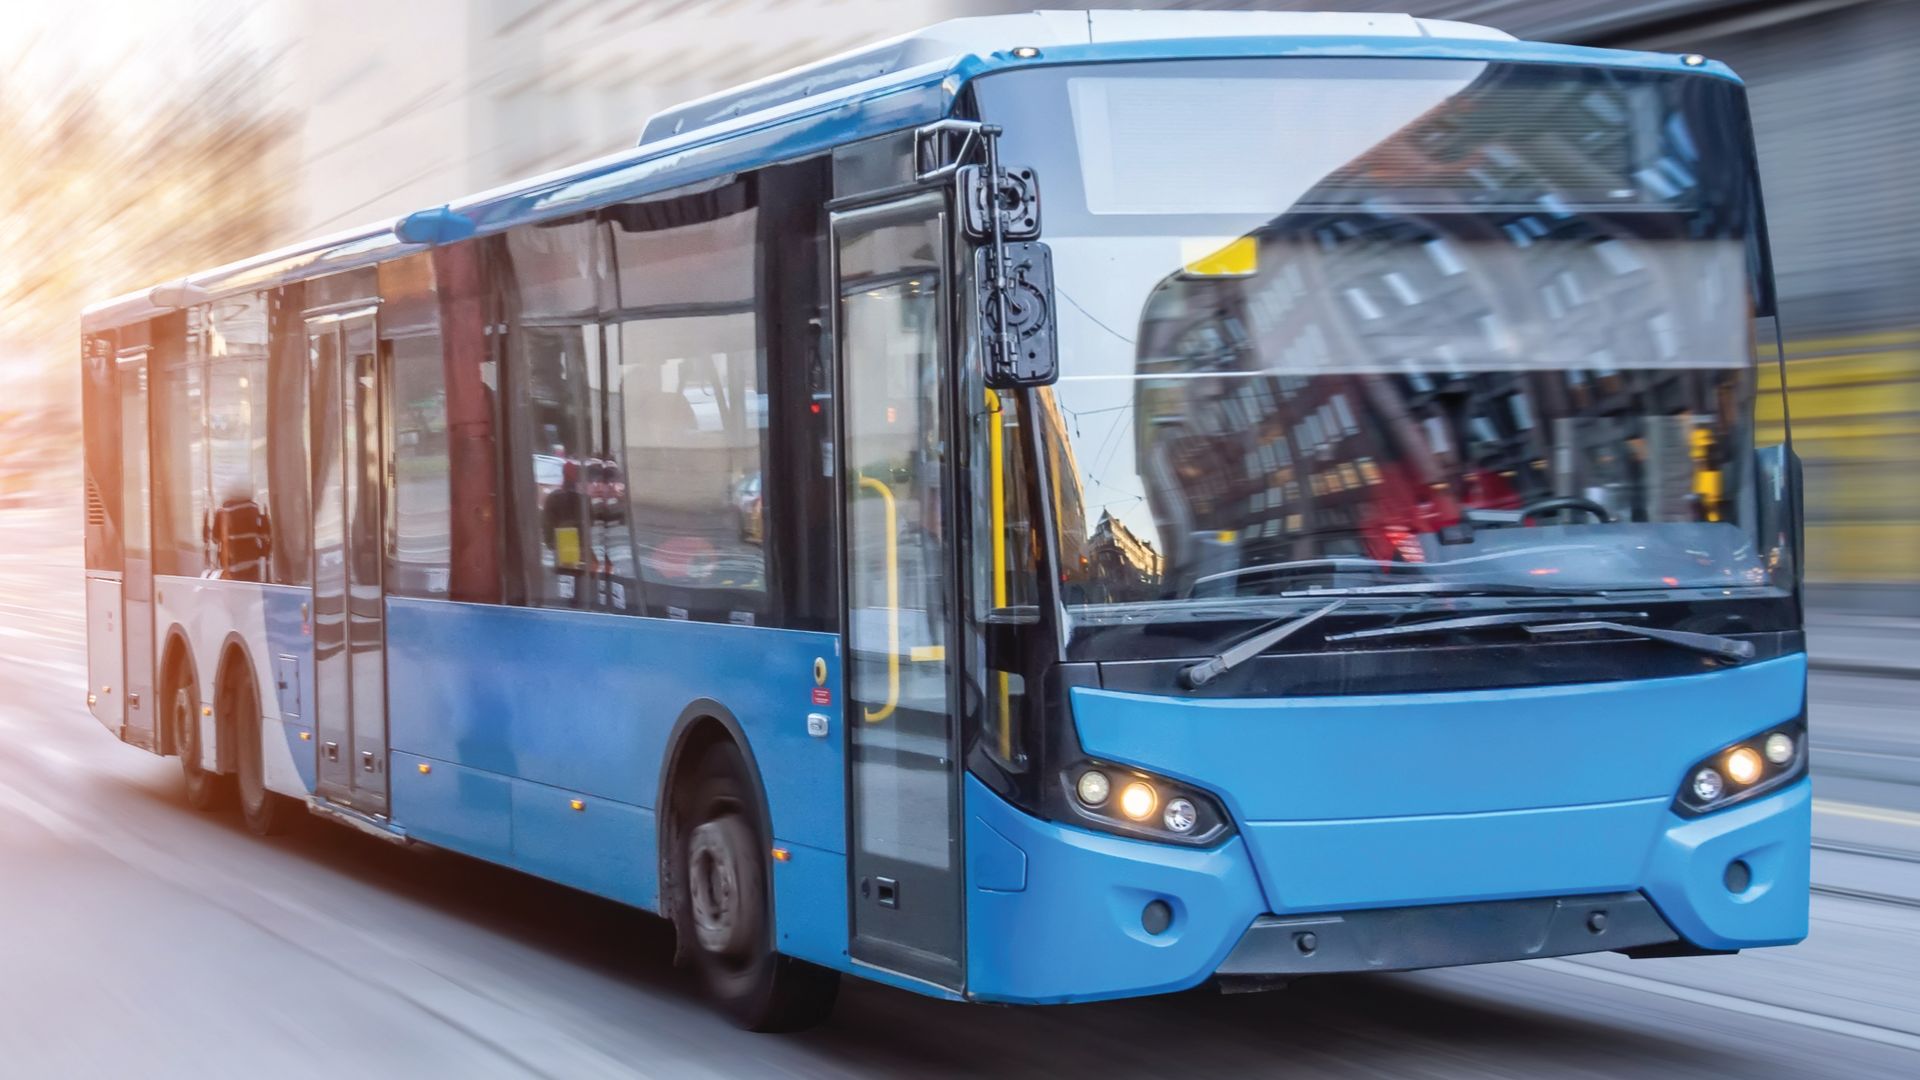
column 567, row 534
column 419, row 518
column 239, row 527
column 180, row 519
column 285, row 434
column 693, row 364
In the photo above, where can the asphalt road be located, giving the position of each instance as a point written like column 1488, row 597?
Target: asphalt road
column 139, row 938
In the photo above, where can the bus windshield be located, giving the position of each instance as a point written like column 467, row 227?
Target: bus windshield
column 1330, row 325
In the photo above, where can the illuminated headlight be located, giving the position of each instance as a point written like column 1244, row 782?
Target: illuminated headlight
column 1121, row 799
column 1750, row 767
column 1137, row 800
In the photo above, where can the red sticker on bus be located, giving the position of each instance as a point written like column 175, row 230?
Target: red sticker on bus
column 822, row 696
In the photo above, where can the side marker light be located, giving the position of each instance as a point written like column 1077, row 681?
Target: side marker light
column 577, row 804
column 424, row 768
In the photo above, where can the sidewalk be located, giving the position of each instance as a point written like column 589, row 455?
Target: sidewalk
column 1864, row 644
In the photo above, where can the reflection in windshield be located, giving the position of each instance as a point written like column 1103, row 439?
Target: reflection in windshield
column 1506, row 337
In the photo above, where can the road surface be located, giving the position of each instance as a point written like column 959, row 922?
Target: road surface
column 139, row 938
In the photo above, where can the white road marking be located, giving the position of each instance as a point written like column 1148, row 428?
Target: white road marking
column 1757, row 1009
column 1867, row 813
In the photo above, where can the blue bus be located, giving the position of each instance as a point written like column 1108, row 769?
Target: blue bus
column 1044, row 509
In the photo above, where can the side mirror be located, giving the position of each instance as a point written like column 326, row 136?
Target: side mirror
column 1016, row 316
column 1781, row 520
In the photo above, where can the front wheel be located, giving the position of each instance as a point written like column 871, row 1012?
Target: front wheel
column 726, row 907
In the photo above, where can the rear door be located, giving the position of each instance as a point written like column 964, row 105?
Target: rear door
column 349, row 626
column 137, row 586
column 891, row 325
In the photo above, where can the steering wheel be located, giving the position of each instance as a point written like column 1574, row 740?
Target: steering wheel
column 1567, row 502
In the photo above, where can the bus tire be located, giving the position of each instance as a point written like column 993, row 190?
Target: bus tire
column 266, row 813
column 206, row 791
column 727, row 908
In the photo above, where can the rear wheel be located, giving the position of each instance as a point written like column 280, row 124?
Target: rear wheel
column 726, row 908
column 265, row 812
column 205, row 790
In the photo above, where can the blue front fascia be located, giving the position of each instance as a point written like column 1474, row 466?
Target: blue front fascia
column 1402, row 800
column 1386, row 800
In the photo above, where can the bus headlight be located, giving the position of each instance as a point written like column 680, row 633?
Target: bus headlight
column 1093, row 787
column 1124, row 800
column 1751, row 767
column 1137, row 800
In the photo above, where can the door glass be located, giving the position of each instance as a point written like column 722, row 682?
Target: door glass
column 366, row 630
column 330, row 680
column 899, row 596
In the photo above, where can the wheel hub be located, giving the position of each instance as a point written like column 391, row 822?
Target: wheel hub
column 713, row 886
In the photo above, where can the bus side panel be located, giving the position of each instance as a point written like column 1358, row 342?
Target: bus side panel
column 283, row 664
column 105, row 663
column 575, row 705
column 210, row 612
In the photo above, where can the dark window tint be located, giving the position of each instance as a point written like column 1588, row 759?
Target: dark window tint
column 285, row 436
column 567, row 521
column 180, row 446
column 693, row 368
column 419, row 537
column 100, row 411
column 240, row 529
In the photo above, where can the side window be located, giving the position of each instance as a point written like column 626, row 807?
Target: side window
column 693, row 364
column 419, row 541
column 282, row 428
column 100, row 413
column 180, row 446
column 239, row 527
column 567, row 527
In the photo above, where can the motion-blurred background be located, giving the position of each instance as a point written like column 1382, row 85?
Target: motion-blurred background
column 143, row 139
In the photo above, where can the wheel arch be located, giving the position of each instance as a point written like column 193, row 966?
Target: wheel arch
column 702, row 724
column 235, row 656
column 176, row 649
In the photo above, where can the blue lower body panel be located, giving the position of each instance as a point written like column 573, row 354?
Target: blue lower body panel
column 1070, row 928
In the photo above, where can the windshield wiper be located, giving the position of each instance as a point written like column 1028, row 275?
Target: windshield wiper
column 1232, row 657
column 1727, row 648
column 1450, row 588
column 1472, row 622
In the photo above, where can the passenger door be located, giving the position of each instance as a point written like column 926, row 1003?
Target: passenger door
column 890, row 321
column 349, row 626
column 136, row 616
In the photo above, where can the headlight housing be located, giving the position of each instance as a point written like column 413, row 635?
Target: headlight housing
column 1125, row 800
column 1737, row 772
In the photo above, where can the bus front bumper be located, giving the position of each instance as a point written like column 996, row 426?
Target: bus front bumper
column 1058, row 913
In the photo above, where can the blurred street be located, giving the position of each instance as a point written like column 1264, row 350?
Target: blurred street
column 151, row 940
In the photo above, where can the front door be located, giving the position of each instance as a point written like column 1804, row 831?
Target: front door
column 890, row 320
column 136, row 493
column 349, row 627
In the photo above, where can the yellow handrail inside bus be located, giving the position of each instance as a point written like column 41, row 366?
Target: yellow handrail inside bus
column 997, row 496
column 875, row 716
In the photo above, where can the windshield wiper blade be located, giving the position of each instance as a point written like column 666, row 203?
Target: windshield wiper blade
column 1450, row 588
column 1727, row 648
column 1232, row 657
column 1473, row 622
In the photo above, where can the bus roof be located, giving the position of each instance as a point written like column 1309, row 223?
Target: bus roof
column 898, row 83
